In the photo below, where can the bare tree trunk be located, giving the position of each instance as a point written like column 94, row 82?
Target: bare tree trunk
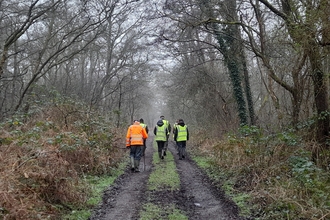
column 305, row 33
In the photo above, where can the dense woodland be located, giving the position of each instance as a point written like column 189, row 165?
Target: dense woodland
column 214, row 63
column 219, row 65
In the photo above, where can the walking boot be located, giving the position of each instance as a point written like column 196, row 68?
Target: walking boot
column 132, row 164
column 137, row 164
column 162, row 157
column 165, row 149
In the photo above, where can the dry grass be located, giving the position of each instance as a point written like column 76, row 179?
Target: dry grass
column 43, row 158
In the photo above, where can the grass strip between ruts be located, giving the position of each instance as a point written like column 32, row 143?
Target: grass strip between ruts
column 163, row 177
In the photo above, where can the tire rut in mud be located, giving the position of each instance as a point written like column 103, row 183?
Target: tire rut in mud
column 123, row 199
column 203, row 198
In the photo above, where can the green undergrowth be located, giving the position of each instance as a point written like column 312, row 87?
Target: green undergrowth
column 97, row 185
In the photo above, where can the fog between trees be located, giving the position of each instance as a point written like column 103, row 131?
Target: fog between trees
column 217, row 64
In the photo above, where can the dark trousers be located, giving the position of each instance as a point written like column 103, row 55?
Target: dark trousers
column 160, row 145
column 181, row 148
column 136, row 151
column 143, row 148
column 166, row 143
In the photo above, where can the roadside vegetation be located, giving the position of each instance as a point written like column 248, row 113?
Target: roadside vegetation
column 269, row 177
column 48, row 158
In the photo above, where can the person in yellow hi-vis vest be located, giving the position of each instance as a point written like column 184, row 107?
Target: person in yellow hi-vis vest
column 181, row 136
column 160, row 132
column 168, row 126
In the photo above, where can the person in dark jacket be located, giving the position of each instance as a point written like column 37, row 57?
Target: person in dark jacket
column 181, row 136
column 145, row 126
column 174, row 125
column 161, row 132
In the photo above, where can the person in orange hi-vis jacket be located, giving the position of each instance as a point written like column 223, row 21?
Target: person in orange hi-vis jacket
column 134, row 140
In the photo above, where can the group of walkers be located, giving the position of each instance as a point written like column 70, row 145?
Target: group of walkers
column 137, row 134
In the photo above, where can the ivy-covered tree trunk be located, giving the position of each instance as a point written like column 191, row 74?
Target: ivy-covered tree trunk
column 236, row 50
column 248, row 92
column 231, row 49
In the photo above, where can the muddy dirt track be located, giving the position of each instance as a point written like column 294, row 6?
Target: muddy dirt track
column 198, row 198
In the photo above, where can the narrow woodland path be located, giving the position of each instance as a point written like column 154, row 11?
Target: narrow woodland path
column 198, row 198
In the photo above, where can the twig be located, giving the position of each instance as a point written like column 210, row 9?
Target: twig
column 324, row 216
column 30, row 158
